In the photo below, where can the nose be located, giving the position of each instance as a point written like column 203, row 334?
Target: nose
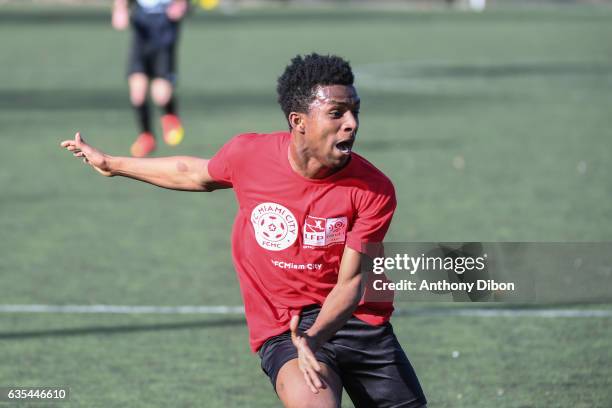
column 351, row 122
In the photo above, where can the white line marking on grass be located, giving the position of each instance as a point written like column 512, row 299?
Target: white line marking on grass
column 115, row 309
column 507, row 312
column 436, row 74
column 239, row 310
column 399, row 76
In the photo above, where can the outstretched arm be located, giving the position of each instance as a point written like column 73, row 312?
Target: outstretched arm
column 176, row 173
column 336, row 310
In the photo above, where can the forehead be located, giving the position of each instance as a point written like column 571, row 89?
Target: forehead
column 336, row 94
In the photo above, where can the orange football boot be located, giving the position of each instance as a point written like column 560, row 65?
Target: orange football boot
column 144, row 145
column 173, row 129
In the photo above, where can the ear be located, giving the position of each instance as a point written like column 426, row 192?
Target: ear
column 297, row 121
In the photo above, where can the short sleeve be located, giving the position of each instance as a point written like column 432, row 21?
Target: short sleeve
column 222, row 165
column 374, row 213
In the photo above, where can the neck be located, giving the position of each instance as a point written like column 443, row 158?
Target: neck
column 304, row 163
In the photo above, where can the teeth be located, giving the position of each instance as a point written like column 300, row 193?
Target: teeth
column 344, row 147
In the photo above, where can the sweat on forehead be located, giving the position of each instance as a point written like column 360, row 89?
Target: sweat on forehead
column 334, row 94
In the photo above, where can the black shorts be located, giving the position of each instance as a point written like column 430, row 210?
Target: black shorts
column 153, row 49
column 369, row 360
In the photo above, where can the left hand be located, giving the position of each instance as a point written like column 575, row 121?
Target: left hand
column 307, row 362
column 90, row 155
column 176, row 10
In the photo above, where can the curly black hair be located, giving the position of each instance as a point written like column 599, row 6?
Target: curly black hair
column 296, row 87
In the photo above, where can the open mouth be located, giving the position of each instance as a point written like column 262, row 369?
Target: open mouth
column 345, row 146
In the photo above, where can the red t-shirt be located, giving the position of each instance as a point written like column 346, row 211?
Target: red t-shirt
column 290, row 231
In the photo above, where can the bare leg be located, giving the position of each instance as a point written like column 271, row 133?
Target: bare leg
column 161, row 91
column 138, row 83
column 145, row 143
column 294, row 393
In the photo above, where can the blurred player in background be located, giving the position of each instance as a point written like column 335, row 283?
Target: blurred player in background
column 152, row 64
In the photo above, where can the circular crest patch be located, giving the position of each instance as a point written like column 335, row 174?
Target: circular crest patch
column 275, row 226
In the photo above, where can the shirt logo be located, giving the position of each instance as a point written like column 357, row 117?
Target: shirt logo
column 275, row 226
column 320, row 232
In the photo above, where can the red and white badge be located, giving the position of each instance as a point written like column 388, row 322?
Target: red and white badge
column 321, row 232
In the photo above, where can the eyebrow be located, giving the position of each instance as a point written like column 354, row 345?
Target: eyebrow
column 335, row 102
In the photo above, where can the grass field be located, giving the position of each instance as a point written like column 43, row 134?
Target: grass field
column 493, row 127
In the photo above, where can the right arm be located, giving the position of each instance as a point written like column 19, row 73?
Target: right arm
column 177, row 173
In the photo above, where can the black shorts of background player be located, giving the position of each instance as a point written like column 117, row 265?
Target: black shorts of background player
column 152, row 65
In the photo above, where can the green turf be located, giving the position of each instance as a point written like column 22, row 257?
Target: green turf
column 521, row 98
column 204, row 362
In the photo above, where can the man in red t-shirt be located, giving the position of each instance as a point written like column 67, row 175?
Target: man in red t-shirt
column 308, row 209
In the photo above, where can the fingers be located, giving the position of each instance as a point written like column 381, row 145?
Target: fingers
column 312, row 360
column 310, row 384
column 73, row 142
column 308, row 363
column 308, row 359
column 312, row 378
